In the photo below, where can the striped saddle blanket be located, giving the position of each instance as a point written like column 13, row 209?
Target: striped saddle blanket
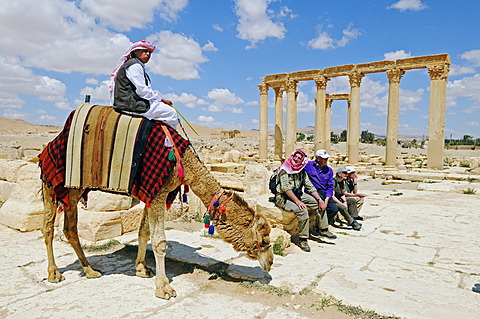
column 99, row 148
column 104, row 148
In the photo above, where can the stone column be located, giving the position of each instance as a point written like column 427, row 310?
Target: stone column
column 394, row 76
column 291, row 117
column 278, row 150
column 263, row 138
column 436, row 118
column 328, row 125
column 320, row 138
column 353, row 134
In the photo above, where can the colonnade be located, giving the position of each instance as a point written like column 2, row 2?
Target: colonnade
column 438, row 68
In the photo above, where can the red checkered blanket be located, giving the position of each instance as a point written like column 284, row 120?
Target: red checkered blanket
column 151, row 174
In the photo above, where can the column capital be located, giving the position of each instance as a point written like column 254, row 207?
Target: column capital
column 439, row 72
column 291, row 85
column 321, row 82
column 263, row 88
column 355, row 78
column 394, row 75
column 328, row 103
column 279, row 89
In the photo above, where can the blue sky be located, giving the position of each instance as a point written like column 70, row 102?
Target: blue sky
column 212, row 54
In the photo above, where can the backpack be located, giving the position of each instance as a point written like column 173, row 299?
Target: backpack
column 272, row 184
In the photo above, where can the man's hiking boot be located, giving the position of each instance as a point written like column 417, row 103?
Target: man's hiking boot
column 356, row 225
column 304, row 245
column 327, row 233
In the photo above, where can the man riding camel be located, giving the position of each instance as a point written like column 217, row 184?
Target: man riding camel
column 132, row 93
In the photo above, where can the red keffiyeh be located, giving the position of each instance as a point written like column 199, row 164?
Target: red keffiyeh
column 139, row 45
column 289, row 165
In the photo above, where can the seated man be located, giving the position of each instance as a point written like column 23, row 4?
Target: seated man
column 351, row 191
column 295, row 193
column 347, row 211
column 131, row 87
column 321, row 176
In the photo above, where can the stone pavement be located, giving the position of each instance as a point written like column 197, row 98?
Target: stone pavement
column 417, row 256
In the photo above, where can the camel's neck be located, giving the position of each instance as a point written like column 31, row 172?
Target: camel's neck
column 198, row 177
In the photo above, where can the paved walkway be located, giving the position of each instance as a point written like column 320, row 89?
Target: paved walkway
column 417, row 256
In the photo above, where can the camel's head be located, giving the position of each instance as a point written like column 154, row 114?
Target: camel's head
column 261, row 249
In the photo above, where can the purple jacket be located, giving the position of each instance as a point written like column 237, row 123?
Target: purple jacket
column 321, row 177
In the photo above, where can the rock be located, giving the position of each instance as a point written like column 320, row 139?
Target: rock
column 229, row 180
column 256, row 180
column 94, row 226
column 9, row 170
column 232, row 156
column 5, row 190
column 23, row 210
column 104, row 202
column 277, row 217
column 131, row 218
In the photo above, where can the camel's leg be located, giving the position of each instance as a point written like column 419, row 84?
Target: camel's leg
column 142, row 270
column 71, row 232
column 159, row 244
column 49, row 213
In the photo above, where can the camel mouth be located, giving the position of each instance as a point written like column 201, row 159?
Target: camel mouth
column 266, row 259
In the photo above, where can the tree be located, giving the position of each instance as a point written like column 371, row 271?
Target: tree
column 300, row 137
column 367, row 137
column 343, row 136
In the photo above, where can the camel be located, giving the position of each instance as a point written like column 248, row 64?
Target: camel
column 239, row 225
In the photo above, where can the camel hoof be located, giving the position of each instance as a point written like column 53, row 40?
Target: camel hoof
column 166, row 293
column 55, row 277
column 91, row 273
column 144, row 272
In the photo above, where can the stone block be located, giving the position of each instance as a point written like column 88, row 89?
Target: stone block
column 94, row 226
column 9, row 169
column 5, row 190
column 131, row 218
column 256, row 180
column 105, row 202
column 23, row 210
column 232, row 156
column 229, row 180
column 277, row 217
column 228, row 168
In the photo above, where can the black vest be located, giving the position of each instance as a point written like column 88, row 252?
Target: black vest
column 124, row 96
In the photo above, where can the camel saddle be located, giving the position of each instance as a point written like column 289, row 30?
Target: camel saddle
column 100, row 148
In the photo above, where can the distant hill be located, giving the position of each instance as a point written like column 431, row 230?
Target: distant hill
column 16, row 126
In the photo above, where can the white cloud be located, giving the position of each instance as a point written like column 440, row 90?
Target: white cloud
column 224, row 97
column 473, row 123
column 459, row 70
column 124, row 15
column 10, row 100
column 404, row 5
column 63, row 40
column 177, row 56
column 186, row 99
column 209, row 47
column 324, row 40
column 16, row 79
column 467, row 87
column 99, row 94
column 254, row 23
column 91, row 81
column 395, row 55
column 217, row 27
column 223, row 100
column 473, row 56
column 202, row 119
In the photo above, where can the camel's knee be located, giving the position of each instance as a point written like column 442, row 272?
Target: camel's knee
column 159, row 245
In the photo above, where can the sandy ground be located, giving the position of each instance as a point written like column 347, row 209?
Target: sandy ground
column 416, row 257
